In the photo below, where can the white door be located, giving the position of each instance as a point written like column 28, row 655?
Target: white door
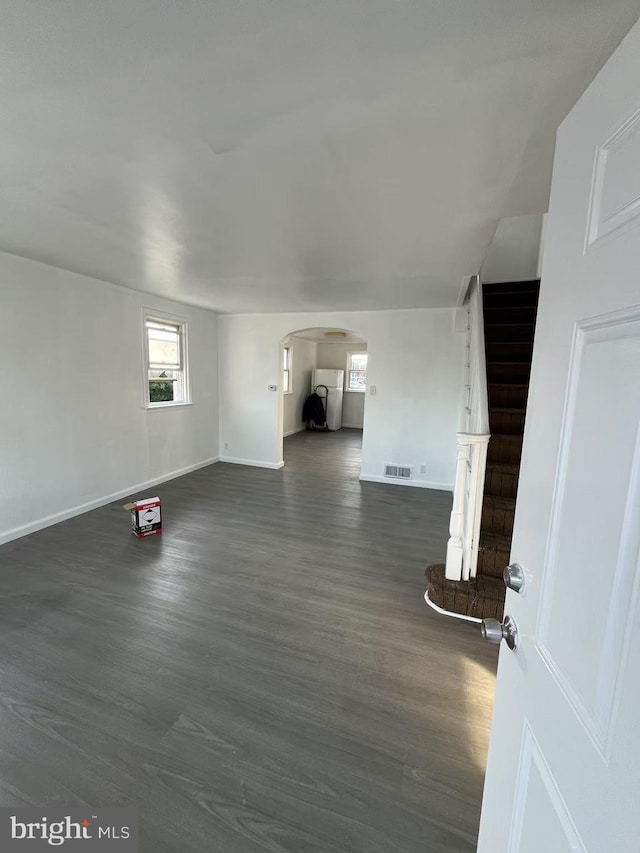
column 564, row 762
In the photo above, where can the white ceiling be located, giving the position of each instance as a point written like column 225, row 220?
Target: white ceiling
column 272, row 155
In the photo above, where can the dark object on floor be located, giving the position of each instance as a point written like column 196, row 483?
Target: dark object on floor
column 314, row 412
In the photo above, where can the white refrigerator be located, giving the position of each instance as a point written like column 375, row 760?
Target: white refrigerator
column 334, row 381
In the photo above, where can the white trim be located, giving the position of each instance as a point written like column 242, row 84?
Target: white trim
column 152, row 407
column 252, row 463
column 420, row 484
column 352, row 426
column 49, row 520
column 294, row 431
column 442, row 612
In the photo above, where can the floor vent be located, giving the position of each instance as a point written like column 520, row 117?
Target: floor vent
column 401, row 472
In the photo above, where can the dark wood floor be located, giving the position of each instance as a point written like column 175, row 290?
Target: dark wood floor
column 263, row 676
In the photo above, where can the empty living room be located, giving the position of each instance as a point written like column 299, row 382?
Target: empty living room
column 320, row 466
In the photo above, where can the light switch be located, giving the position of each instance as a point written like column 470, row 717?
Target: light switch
column 372, row 390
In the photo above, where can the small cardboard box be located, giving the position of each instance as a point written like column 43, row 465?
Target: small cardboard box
column 146, row 517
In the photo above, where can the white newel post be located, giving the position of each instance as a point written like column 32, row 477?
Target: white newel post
column 453, row 568
column 473, row 511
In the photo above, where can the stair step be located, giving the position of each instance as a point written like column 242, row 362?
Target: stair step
column 506, row 421
column 499, row 351
column 497, row 515
column 511, row 286
column 501, row 480
column 509, row 394
column 522, row 332
column 496, row 502
column 502, row 316
column 508, row 372
column 492, row 561
column 513, row 299
column 483, row 597
column 504, row 449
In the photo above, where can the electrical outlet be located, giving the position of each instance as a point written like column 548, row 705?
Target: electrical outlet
column 373, row 390
column 423, row 469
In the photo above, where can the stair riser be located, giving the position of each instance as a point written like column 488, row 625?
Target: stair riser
column 499, row 521
column 509, row 351
column 506, row 423
column 492, row 561
column 501, row 483
column 467, row 599
column 503, row 287
column 526, row 299
column 509, row 398
column 509, row 316
column 504, row 451
column 522, row 332
column 508, row 373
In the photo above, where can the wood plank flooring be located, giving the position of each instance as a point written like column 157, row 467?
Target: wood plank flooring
column 262, row 676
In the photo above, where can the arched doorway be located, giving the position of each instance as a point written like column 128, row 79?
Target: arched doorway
column 333, row 363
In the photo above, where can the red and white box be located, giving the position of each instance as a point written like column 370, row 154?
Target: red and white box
column 146, row 517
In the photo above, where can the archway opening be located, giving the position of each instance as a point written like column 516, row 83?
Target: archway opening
column 323, row 387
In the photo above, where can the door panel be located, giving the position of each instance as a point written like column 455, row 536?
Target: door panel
column 593, row 522
column 543, row 823
column 564, row 762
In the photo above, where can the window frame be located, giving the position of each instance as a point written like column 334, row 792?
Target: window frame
column 286, row 366
column 153, row 316
column 350, row 370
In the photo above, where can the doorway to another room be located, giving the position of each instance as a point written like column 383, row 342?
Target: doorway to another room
column 324, row 382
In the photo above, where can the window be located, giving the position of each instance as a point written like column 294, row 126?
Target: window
column 166, row 370
column 286, row 370
column 357, row 371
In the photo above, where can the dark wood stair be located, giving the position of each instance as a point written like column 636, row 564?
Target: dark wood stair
column 509, row 325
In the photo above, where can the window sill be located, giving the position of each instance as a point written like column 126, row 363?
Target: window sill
column 157, row 406
column 287, row 393
column 353, row 391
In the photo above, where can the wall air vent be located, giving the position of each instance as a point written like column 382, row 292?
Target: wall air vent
column 398, row 472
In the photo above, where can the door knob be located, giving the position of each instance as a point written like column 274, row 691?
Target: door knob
column 494, row 631
column 514, row 577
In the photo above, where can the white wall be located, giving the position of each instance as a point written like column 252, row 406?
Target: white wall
column 514, row 250
column 335, row 356
column 415, row 361
column 74, row 429
column 304, row 356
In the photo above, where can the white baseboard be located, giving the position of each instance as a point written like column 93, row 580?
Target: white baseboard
column 419, row 484
column 294, row 431
column 352, row 426
column 252, row 463
column 47, row 521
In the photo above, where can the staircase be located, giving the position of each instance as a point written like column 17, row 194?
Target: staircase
column 509, row 323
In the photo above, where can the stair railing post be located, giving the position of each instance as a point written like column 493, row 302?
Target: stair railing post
column 474, row 505
column 453, row 566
